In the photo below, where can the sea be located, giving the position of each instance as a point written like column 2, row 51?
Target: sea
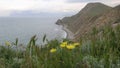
column 24, row 28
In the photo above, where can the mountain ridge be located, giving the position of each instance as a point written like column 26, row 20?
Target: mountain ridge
column 92, row 15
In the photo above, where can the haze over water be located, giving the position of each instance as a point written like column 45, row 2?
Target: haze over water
column 25, row 27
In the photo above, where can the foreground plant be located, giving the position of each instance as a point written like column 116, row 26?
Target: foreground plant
column 96, row 52
column 53, row 50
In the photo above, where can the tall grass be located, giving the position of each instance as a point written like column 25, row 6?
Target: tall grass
column 100, row 50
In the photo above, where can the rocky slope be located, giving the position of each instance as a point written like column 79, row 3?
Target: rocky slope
column 92, row 15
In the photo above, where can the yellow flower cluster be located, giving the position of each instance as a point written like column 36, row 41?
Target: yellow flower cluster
column 7, row 43
column 66, row 45
column 70, row 46
column 62, row 45
column 53, row 50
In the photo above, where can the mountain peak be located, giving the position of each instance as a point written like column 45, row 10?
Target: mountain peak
column 95, row 4
column 94, row 8
column 117, row 7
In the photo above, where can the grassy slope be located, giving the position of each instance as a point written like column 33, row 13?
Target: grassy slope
column 96, row 51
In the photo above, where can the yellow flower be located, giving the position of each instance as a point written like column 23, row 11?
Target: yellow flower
column 63, row 44
column 70, row 47
column 53, row 50
column 7, row 43
column 76, row 44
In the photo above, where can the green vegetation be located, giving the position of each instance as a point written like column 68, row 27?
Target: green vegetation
column 99, row 50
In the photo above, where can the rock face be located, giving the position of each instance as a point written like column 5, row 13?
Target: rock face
column 92, row 15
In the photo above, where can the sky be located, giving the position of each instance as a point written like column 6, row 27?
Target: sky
column 8, row 7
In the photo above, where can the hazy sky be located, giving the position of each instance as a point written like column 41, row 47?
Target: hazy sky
column 10, row 6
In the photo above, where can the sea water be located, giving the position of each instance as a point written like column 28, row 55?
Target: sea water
column 24, row 28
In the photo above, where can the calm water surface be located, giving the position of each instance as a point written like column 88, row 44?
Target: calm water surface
column 25, row 27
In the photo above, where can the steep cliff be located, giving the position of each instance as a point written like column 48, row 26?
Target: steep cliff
column 92, row 15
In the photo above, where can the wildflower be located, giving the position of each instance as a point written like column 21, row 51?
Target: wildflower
column 7, row 43
column 76, row 44
column 53, row 50
column 63, row 44
column 70, row 47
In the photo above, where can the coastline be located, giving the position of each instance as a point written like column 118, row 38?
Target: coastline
column 69, row 34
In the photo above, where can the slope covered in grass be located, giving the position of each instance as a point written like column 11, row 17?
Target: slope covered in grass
column 98, row 50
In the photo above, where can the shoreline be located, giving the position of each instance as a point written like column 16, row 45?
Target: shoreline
column 69, row 34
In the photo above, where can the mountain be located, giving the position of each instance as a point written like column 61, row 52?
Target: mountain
column 92, row 15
